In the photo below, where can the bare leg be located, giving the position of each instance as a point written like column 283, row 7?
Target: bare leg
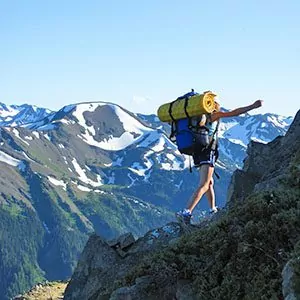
column 210, row 194
column 206, row 173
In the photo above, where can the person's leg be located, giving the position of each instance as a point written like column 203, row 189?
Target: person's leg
column 210, row 194
column 206, row 174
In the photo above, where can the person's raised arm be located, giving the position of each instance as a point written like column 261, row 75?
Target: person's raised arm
column 236, row 112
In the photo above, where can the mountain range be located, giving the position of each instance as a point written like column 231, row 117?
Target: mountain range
column 96, row 167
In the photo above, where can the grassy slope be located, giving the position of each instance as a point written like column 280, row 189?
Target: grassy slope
column 241, row 255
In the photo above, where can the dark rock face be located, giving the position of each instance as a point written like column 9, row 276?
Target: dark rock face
column 96, row 269
column 105, row 122
column 101, row 267
column 266, row 164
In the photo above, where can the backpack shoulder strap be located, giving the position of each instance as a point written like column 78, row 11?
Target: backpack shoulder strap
column 214, row 141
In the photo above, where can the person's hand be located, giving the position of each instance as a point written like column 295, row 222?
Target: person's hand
column 257, row 104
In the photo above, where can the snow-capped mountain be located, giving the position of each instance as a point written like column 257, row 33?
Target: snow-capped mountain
column 236, row 133
column 15, row 115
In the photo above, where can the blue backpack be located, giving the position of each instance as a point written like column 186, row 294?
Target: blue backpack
column 190, row 137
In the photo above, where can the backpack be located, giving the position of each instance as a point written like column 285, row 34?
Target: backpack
column 189, row 136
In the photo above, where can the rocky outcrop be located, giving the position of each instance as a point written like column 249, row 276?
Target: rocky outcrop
column 265, row 165
column 104, row 265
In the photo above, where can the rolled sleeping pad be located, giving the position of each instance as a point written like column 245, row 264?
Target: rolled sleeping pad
column 196, row 105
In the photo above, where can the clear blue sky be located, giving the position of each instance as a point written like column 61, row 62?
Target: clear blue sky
column 140, row 53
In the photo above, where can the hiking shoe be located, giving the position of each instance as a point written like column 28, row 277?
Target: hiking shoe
column 184, row 216
column 214, row 210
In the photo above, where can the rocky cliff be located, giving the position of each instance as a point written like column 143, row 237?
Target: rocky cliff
column 250, row 250
column 266, row 165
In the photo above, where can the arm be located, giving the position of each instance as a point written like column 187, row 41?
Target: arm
column 236, row 112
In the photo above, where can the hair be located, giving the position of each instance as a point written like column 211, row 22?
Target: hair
column 217, row 106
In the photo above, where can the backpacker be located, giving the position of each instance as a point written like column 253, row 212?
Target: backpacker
column 189, row 135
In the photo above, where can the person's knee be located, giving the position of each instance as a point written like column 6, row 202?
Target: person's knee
column 205, row 185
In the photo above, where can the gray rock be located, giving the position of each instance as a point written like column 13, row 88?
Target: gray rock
column 265, row 165
column 135, row 292
column 123, row 241
column 185, row 291
column 101, row 270
column 287, row 282
column 95, row 270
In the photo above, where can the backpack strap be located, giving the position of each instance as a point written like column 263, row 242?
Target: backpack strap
column 173, row 130
column 185, row 110
column 185, row 107
column 213, row 144
column 170, row 110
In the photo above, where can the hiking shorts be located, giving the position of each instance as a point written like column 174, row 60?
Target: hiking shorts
column 206, row 157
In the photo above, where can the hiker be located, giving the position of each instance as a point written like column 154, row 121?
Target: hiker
column 206, row 159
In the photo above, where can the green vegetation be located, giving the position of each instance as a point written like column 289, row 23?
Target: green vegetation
column 115, row 214
column 13, row 209
column 240, row 256
column 19, row 251
column 45, row 239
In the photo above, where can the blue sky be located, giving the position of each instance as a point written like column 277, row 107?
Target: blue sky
column 141, row 54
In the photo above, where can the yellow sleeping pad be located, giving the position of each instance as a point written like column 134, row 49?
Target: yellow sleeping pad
column 196, row 105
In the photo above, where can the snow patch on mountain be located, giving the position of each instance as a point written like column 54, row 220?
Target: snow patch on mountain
column 26, row 156
column 110, row 144
column 47, row 137
column 255, row 139
column 36, row 134
column 148, row 162
column 83, row 188
column 57, row 182
column 173, row 163
column 67, row 122
column 157, row 141
column 225, row 126
column 134, row 129
column 16, row 115
column 138, row 169
column 17, row 134
column 278, row 122
column 6, row 158
column 8, row 111
column 80, row 110
column 83, row 177
column 238, row 142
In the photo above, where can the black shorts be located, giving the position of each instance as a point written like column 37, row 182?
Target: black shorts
column 206, row 157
